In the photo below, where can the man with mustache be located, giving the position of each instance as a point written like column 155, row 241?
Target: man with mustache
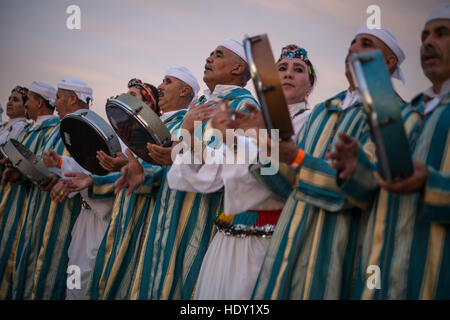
column 316, row 238
column 118, row 266
column 408, row 234
column 173, row 265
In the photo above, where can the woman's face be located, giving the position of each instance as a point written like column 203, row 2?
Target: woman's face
column 15, row 107
column 135, row 92
column 294, row 79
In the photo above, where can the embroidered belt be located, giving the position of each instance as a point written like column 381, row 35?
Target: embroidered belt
column 260, row 223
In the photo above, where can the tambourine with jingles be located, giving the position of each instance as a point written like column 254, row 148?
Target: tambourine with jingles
column 136, row 124
column 383, row 110
column 84, row 133
column 26, row 162
column 268, row 85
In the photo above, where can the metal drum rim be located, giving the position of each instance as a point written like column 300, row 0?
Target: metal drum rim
column 76, row 116
column 144, row 124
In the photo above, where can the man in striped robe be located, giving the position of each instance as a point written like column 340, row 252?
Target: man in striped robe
column 406, row 248
column 182, row 223
column 312, row 252
column 42, row 255
column 117, row 260
column 15, row 194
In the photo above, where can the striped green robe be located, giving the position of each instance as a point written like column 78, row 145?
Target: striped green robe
column 408, row 236
column 118, row 254
column 41, row 257
column 181, row 229
column 313, row 248
column 14, row 198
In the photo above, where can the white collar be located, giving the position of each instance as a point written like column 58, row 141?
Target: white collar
column 12, row 121
column 295, row 108
column 351, row 97
column 41, row 119
column 444, row 90
column 218, row 90
column 167, row 115
column 436, row 97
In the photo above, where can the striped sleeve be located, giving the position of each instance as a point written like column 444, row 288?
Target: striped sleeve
column 152, row 178
column 317, row 185
column 281, row 183
column 437, row 196
column 437, row 189
column 239, row 104
column 360, row 188
column 103, row 186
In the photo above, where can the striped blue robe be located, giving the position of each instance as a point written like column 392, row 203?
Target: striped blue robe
column 180, row 231
column 313, row 248
column 14, row 198
column 41, row 258
column 119, row 251
column 408, row 236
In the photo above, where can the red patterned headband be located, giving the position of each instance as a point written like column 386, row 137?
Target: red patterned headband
column 145, row 91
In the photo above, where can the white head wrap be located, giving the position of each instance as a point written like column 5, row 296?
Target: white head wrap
column 234, row 46
column 45, row 90
column 81, row 89
column 442, row 11
column 185, row 75
column 389, row 40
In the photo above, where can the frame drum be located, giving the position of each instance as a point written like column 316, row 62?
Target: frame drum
column 84, row 133
column 136, row 124
column 267, row 85
column 26, row 162
column 383, row 110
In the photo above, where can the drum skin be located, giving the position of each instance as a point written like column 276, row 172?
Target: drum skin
column 268, row 85
column 26, row 162
column 84, row 133
column 136, row 124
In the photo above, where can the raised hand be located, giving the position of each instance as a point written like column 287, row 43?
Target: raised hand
column 111, row 164
column 161, row 155
column 198, row 113
column 412, row 184
column 53, row 181
column 78, row 181
column 60, row 191
column 222, row 120
column 10, row 175
column 252, row 120
column 132, row 175
column 50, row 159
column 345, row 156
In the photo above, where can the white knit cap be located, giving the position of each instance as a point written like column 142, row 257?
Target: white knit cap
column 45, row 90
column 442, row 11
column 389, row 40
column 234, row 46
column 185, row 75
column 81, row 89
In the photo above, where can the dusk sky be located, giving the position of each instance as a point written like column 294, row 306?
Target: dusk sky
column 120, row 40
